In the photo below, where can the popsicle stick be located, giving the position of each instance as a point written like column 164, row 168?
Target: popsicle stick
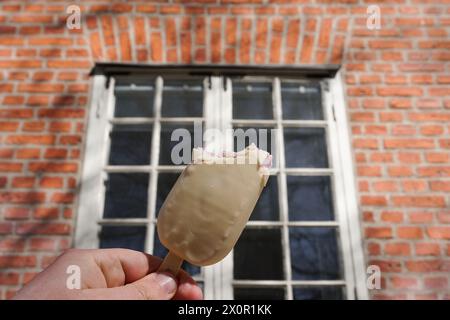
column 171, row 263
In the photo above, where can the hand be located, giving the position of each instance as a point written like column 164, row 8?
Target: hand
column 110, row 274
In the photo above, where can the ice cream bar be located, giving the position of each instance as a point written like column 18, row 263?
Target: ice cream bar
column 209, row 205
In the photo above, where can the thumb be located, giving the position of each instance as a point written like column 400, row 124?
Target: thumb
column 155, row 286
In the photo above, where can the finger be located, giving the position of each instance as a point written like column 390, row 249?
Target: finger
column 135, row 264
column 155, row 286
column 187, row 288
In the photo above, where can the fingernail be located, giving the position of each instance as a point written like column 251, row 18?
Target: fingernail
column 167, row 282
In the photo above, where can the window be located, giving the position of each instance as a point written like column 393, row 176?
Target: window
column 302, row 240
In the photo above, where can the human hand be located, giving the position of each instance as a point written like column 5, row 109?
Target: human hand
column 110, row 274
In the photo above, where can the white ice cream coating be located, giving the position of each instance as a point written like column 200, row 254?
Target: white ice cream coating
column 209, row 205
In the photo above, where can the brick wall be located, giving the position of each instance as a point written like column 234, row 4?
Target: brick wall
column 397, row 87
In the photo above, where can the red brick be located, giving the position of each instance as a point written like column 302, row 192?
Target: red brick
column 13, row 100
column 440, row 186
column 16, row 261
column 399, row 91
column 424, row 265
column 373, row 201
column 9, row 278
column 399, row 171
column 60, row 197
column 54, row 153
column 409, row 157
column 45, row 229
column 397, row 249
column 33, row 126
column 52, row 167
column 45, row 213
column 23, row 182
column 437, row 171
column 12, row 245
column 16, row 113
column 409, row 232
column 42, row 244
column 51, row 182
column 369, row 171
column 387, row 265
column 378, row 232
column 418, row 201
column 427, row 249
column 436, row 283
column 439, row 232
column 385, row 186
column 6, row 227
column 392, row 216
column 404, row 282
column 420, row 217
column 31, row 139
column 408, row 143
column 414, row 186
column 16, row 213
column 28, row 153
column 385, row 157
column 374, row 249
column 22, row 197
column 61, row 113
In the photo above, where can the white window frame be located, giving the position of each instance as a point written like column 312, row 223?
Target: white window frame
column 218, row 279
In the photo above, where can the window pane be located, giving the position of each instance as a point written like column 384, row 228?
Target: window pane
column 134, row 103
column 267, row 205
column 301, row 101
column 259, row 293
column 252, row 100
column 314, row 254
column 123, row 237
column 258, row 255
column 305, row 147
column 160, row 251
column 166, row 144
column 182, row 98
column 260, row 136
column 319, row 293
column 126, row 195
column 165, row 183
column 130, row 145
column 309, row 198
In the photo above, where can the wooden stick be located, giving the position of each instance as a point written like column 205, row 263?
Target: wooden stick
column 171, row 263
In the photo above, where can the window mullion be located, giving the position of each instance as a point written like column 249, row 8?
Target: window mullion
column 152, row 186
column 282, row 185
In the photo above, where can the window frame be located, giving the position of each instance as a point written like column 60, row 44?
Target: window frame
column 218, row 279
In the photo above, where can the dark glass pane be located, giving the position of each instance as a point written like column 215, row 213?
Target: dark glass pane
column 260, row 136
column 126, row 195
column 123, row 237
column 130, row 145
column 305, row 147
column 258, row 294
column 165, row 183
column 314, row 254
column 301, row 101
column 258, row 255
column 319, row 293
column 134, row 103
column 160, row 251
column 182, row 98
column 166, row 144
column 252, row 100
column 267, row 205
column 309, row 198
